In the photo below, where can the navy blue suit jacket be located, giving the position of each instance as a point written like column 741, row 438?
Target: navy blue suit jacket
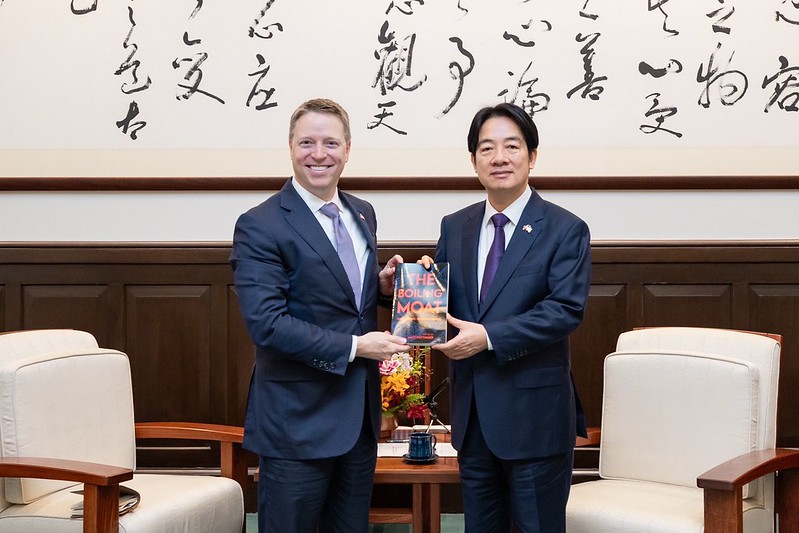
column 523, row 389
column 306, row 401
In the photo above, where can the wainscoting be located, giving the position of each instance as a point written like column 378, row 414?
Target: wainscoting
column 172, row 308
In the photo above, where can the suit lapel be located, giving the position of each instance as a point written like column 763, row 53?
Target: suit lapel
column 524, row 235
column 304, row 222
column 470, row 243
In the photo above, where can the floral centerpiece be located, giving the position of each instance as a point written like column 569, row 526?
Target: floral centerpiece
column 399, row 384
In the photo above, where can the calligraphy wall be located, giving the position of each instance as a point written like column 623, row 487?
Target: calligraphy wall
column 193, row 87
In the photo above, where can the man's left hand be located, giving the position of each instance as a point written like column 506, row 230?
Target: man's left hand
column 470, row 340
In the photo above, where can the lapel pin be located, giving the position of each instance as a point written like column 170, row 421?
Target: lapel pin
column 362, row 217
column 528, row 228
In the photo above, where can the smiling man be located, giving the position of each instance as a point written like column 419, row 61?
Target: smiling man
column 307, row 278
column 520, row 270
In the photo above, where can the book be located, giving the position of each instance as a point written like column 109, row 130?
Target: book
column 128, row 500
column 419, row 312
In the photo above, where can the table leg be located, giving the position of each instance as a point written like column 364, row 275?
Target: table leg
column 434, row 495
column 419, row 508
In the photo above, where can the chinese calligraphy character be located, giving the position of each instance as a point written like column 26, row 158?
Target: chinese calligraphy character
column 384, row 114
column 127, row 125
column 87, row 8
column 457, row 72
column 717, row 26
column 265, row 94
column 193, row 77
column 673, row 67
column 660, row 115
column 408, row 7
column 130, row 63
column 732, row 83
column 529, row 101
column 585, row 14
column 396, row 59
column 658, row 4
column 589, row 85
column 786, row 92
column 783, row 17
column 260, row 29
column 197, row 9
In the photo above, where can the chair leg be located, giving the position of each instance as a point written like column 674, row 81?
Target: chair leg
column 723, row 511
column 100, row 509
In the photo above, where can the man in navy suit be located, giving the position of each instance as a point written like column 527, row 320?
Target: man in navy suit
column 313, row 411
column 515, row 413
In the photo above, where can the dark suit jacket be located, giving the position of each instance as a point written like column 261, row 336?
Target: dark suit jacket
column 523, row 389
column 306, row 401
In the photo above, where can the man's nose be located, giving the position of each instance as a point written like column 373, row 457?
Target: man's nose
column 500, row 156
column 319, row 151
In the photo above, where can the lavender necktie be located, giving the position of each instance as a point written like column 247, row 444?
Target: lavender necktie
column 346, row 251
column 494, row 253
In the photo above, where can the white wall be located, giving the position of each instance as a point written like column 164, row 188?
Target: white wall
column 407, row 216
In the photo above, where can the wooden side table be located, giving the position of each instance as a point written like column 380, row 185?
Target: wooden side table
column 426, row 481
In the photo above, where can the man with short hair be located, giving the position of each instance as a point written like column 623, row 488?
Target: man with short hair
column 520, row 270
column 307, row 278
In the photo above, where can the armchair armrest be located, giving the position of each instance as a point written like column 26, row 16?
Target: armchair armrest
column 723, row 486
column 233, row 458
column 594, row 435
column 100, row 489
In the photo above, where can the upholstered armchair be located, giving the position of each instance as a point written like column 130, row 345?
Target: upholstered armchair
column 687, row 438
column 66, row 419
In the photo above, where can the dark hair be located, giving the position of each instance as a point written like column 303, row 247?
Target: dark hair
column 518, row 115
column 321, row 105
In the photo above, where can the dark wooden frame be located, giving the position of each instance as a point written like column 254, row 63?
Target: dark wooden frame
column 419, row 183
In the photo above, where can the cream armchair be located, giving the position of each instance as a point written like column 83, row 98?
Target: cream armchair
column 66, row 418
column 681, row 404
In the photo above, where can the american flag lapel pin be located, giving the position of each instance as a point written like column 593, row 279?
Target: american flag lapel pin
column 528, row 228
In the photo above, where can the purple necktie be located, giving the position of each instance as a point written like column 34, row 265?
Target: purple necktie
column 494, row 253
column 346, row 251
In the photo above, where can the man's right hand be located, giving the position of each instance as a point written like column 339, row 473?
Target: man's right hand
column 380, row 345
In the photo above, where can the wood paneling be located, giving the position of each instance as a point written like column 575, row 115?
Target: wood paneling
column 603, row 320
column 708, row 306
column 168, row 340
column 775, row 308
column 88, row 306
column 173, row 309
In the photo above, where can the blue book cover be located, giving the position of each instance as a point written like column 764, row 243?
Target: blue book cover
column 419, row 312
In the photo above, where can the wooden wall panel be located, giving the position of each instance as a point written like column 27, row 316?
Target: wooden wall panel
column 775, row 309
column 676, row 304
column 595, row 338
column 168, row 342
column 84, row 307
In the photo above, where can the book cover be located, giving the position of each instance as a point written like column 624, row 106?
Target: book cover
column 420, row 303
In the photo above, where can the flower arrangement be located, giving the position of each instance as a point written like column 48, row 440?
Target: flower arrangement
column 399, row 380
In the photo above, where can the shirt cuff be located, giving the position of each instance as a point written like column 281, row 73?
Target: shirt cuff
column 354, row 348
column 488, row 341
